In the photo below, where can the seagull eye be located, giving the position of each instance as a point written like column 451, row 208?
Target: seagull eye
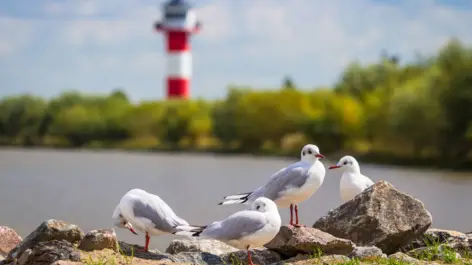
column 345, row 162
column 310, row 152
column 303, row 153
column 258, row 206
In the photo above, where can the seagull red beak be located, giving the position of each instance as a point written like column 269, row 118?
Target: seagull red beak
column 131, row 229
column 319, row 156
column 333, row 167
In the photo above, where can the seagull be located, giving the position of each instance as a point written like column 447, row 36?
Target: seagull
column 245, row 229
column 290, row 185
column 352, row 181
column 148, row 213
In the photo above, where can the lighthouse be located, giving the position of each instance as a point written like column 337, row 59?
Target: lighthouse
column 178, row 23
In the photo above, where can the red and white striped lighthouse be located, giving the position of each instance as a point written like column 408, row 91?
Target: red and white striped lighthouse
column 178, row 24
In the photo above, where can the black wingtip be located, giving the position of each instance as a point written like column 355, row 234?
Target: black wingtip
column 220, row 203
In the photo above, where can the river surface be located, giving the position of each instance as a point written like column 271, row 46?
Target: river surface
column 83, row 187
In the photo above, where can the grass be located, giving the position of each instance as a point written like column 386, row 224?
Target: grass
column 111, row 260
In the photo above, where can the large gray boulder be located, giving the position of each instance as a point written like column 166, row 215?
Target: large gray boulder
column 381, row 216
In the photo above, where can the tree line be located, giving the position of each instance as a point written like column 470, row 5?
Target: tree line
column 389, row 111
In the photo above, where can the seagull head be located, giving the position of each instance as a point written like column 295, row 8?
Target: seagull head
column 263, row 204
column 347, row 164
column 121, row 222
column 311, row 153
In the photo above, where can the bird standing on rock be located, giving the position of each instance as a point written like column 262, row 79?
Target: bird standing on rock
column 290, row 185
column 244, row 229
column 148, row 213
column 352, row 181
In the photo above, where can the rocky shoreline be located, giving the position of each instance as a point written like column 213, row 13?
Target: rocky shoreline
column 382, row 225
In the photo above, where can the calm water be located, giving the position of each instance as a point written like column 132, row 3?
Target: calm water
column 83, row 187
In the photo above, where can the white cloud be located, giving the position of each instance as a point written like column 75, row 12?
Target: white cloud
column 252, row 41
column 217, row 21
column 14, row 34
column 82, row 32
column 72, row 7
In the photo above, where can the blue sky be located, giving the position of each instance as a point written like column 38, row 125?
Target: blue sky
column 96, row 46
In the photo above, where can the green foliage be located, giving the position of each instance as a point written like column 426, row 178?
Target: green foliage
column 417, row 111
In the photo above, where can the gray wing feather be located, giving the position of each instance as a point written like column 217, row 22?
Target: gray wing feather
column 236, row 225
column 159, row 213
column 292, row 177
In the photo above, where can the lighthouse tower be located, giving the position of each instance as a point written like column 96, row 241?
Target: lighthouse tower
column 179, row 22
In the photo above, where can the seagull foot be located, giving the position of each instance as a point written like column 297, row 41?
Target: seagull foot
column 141, row 250
column 298, row 225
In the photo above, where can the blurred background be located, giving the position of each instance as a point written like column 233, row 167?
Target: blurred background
column 83, row 96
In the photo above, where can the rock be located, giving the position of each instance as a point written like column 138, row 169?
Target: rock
column 24, row 257
column 45, row 253
column 1, row 258
column 204, row 245
column 8, row 240
column 366, row 252
column 67, row 262
column 433, row 236
column 258, row 255
column 380, row 216
column 99, row 239
column 327, row 259
column 441, row 252
column 47, row 231
column 402, row 258
column 291, row 241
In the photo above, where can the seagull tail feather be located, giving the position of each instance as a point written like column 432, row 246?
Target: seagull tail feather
column 189, row 230
column 236, row 199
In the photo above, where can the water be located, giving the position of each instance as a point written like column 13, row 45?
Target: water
column 83, row 187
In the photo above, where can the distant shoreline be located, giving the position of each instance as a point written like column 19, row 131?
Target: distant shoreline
column 370, row 158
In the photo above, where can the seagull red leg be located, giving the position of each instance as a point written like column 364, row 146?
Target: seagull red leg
column 296, row 218
column 146, row 246
column 249, row 258
column 291, row 214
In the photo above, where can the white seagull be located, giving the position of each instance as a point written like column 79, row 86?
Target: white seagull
column 352, row 181
column 290, row 185
column 245, row 229
column 146, row 212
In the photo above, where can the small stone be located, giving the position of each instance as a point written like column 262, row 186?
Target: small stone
column 201, row 245
column 258, row 255
column 291, row 241
column 380, row 216
column 99, row 239
column 24, row 257
column 45, row 253
column 366, row 252
column 440, row 252
column 9, row 239
column 402, row 257
column 327, row 259
column 434, row 236
column 47, row 231
column 67, row 262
